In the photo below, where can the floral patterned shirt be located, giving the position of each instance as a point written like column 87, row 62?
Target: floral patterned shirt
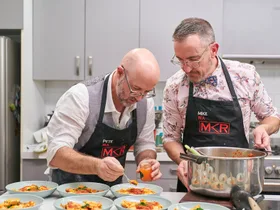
column 248, row 87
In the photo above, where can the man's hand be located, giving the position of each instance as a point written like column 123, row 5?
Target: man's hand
column 182, row 173
column 261, row 138
column 156, row 174
column 109, row 169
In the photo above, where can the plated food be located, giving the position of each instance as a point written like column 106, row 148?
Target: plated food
column 197, row 206
column 82, row 189
column 32, row 188
column 20, row 201
column 86, row 205
column 39, row 188
column 142, row 204
column 136, row 191
column 149, row 202
column 15, row 203
column 83, row 202
column 141, row 189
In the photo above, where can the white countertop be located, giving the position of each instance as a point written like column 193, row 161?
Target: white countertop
column 161, row 156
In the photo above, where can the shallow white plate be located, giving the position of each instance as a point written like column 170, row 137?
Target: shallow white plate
column 24, row 198
column 203, row 205
column 106, row 202
column 136, row 198
column 157, row 189
column 93, row 185
column 13, row 187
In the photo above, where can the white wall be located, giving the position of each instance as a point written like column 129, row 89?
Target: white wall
column 32, row 93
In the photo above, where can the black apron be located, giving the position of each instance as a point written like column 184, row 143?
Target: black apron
column 105, row 141
column 213, row 123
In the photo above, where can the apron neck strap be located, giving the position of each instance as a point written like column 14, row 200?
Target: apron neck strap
column 227, row 76
column 103, row 99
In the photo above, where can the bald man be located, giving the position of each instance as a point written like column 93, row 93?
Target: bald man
column 95, row 123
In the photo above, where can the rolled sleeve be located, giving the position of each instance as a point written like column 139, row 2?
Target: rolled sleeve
column 68, row 120
column 146, row 140
column 261, row 104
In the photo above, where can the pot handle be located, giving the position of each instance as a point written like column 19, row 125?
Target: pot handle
column 193, row 158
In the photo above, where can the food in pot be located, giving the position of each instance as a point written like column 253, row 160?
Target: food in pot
column 81, row 190
column 136, row 191
column 15, row 203
column 214, row 178
column 197, row 173
column 223, row 178
column 142, row 204
column 33, row 188
column 218, row 186
column 195, row 181
column 205, row 183
column 231, row 181
column 209, row 170
column 86, row 205
column 240, row 178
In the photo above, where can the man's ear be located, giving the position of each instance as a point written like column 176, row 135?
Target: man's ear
column 214, row 49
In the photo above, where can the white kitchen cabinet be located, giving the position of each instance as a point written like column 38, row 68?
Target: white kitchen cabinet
column 251, row 27
column 77, row 39
column 33, row 169
column 11, row 14
column 158, row 20
column 112, row 29
column 58, row 39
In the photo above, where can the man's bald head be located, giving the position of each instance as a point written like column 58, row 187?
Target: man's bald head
column 142, row 67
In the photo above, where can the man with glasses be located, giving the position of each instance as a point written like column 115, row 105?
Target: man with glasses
column 209, row 101
column 96, row 122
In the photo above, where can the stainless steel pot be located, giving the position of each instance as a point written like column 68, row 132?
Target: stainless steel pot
column 219, row 168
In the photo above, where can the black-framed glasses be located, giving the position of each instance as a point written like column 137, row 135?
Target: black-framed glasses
column 193, row 64
column 135, row 93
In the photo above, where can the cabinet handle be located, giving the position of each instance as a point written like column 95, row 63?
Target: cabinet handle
column 172, row 189
column 173, row 170
column 90, row 65
column 77, row 65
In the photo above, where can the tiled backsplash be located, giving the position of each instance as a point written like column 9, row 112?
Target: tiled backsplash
column 270, row 75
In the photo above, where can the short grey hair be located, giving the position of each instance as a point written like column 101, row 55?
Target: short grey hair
column 194, row 26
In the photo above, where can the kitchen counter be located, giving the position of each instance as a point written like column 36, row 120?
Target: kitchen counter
column 174, row 197
column 161, row 156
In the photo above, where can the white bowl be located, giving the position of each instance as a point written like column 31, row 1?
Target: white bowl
column 106, row 202
column 157, row 189
column 163, row 201
column 13, row 187
column 24, row 198
column 204, row 205
column 93, row 185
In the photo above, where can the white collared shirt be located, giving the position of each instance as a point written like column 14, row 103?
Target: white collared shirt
column 72, row 111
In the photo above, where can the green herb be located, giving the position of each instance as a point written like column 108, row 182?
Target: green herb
column 85, row 206
column 199, row 208
column 82, row 188
column 143, row 203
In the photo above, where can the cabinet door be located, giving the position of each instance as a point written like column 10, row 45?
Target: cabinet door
column 58, row 39
column 11, row 14
column 252, row 27
column 158, row 20
column 112, row 29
